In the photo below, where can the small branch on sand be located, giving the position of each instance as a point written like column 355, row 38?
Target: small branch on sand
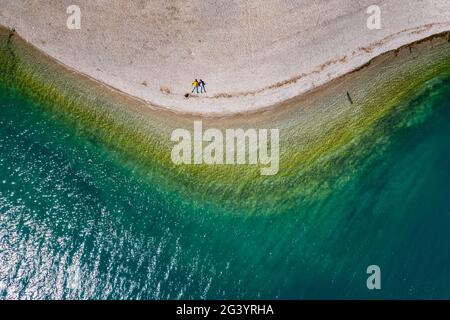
column 12, row 32
column 349, row 98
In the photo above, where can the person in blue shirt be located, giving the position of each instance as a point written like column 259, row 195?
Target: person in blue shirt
column 202, row 86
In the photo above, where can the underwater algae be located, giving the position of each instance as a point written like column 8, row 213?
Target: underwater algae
column 323, row 136
column 88, row 184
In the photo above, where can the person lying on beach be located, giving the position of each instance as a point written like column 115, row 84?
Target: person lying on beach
column 202, row 86
column 195, row 85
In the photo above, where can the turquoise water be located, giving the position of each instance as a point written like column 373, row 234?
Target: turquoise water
column 77, row 222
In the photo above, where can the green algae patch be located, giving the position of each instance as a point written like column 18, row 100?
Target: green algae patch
column 326, row 142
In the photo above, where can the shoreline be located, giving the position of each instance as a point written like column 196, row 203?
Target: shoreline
column 232, row 114
column 289, row 77
column 95, row 206
column 316, row 126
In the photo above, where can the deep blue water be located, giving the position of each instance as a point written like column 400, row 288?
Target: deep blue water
column 77, row 223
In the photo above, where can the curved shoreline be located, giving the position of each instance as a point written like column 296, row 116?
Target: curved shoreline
column 253, row 57
column 320, row 126
column 87, row 175
column 255, row 109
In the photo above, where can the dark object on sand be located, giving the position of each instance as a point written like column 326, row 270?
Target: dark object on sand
column 12, row 32
column 186, row 95
column 349, row 98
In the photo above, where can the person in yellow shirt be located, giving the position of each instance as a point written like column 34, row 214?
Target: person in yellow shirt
column 195, row 85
